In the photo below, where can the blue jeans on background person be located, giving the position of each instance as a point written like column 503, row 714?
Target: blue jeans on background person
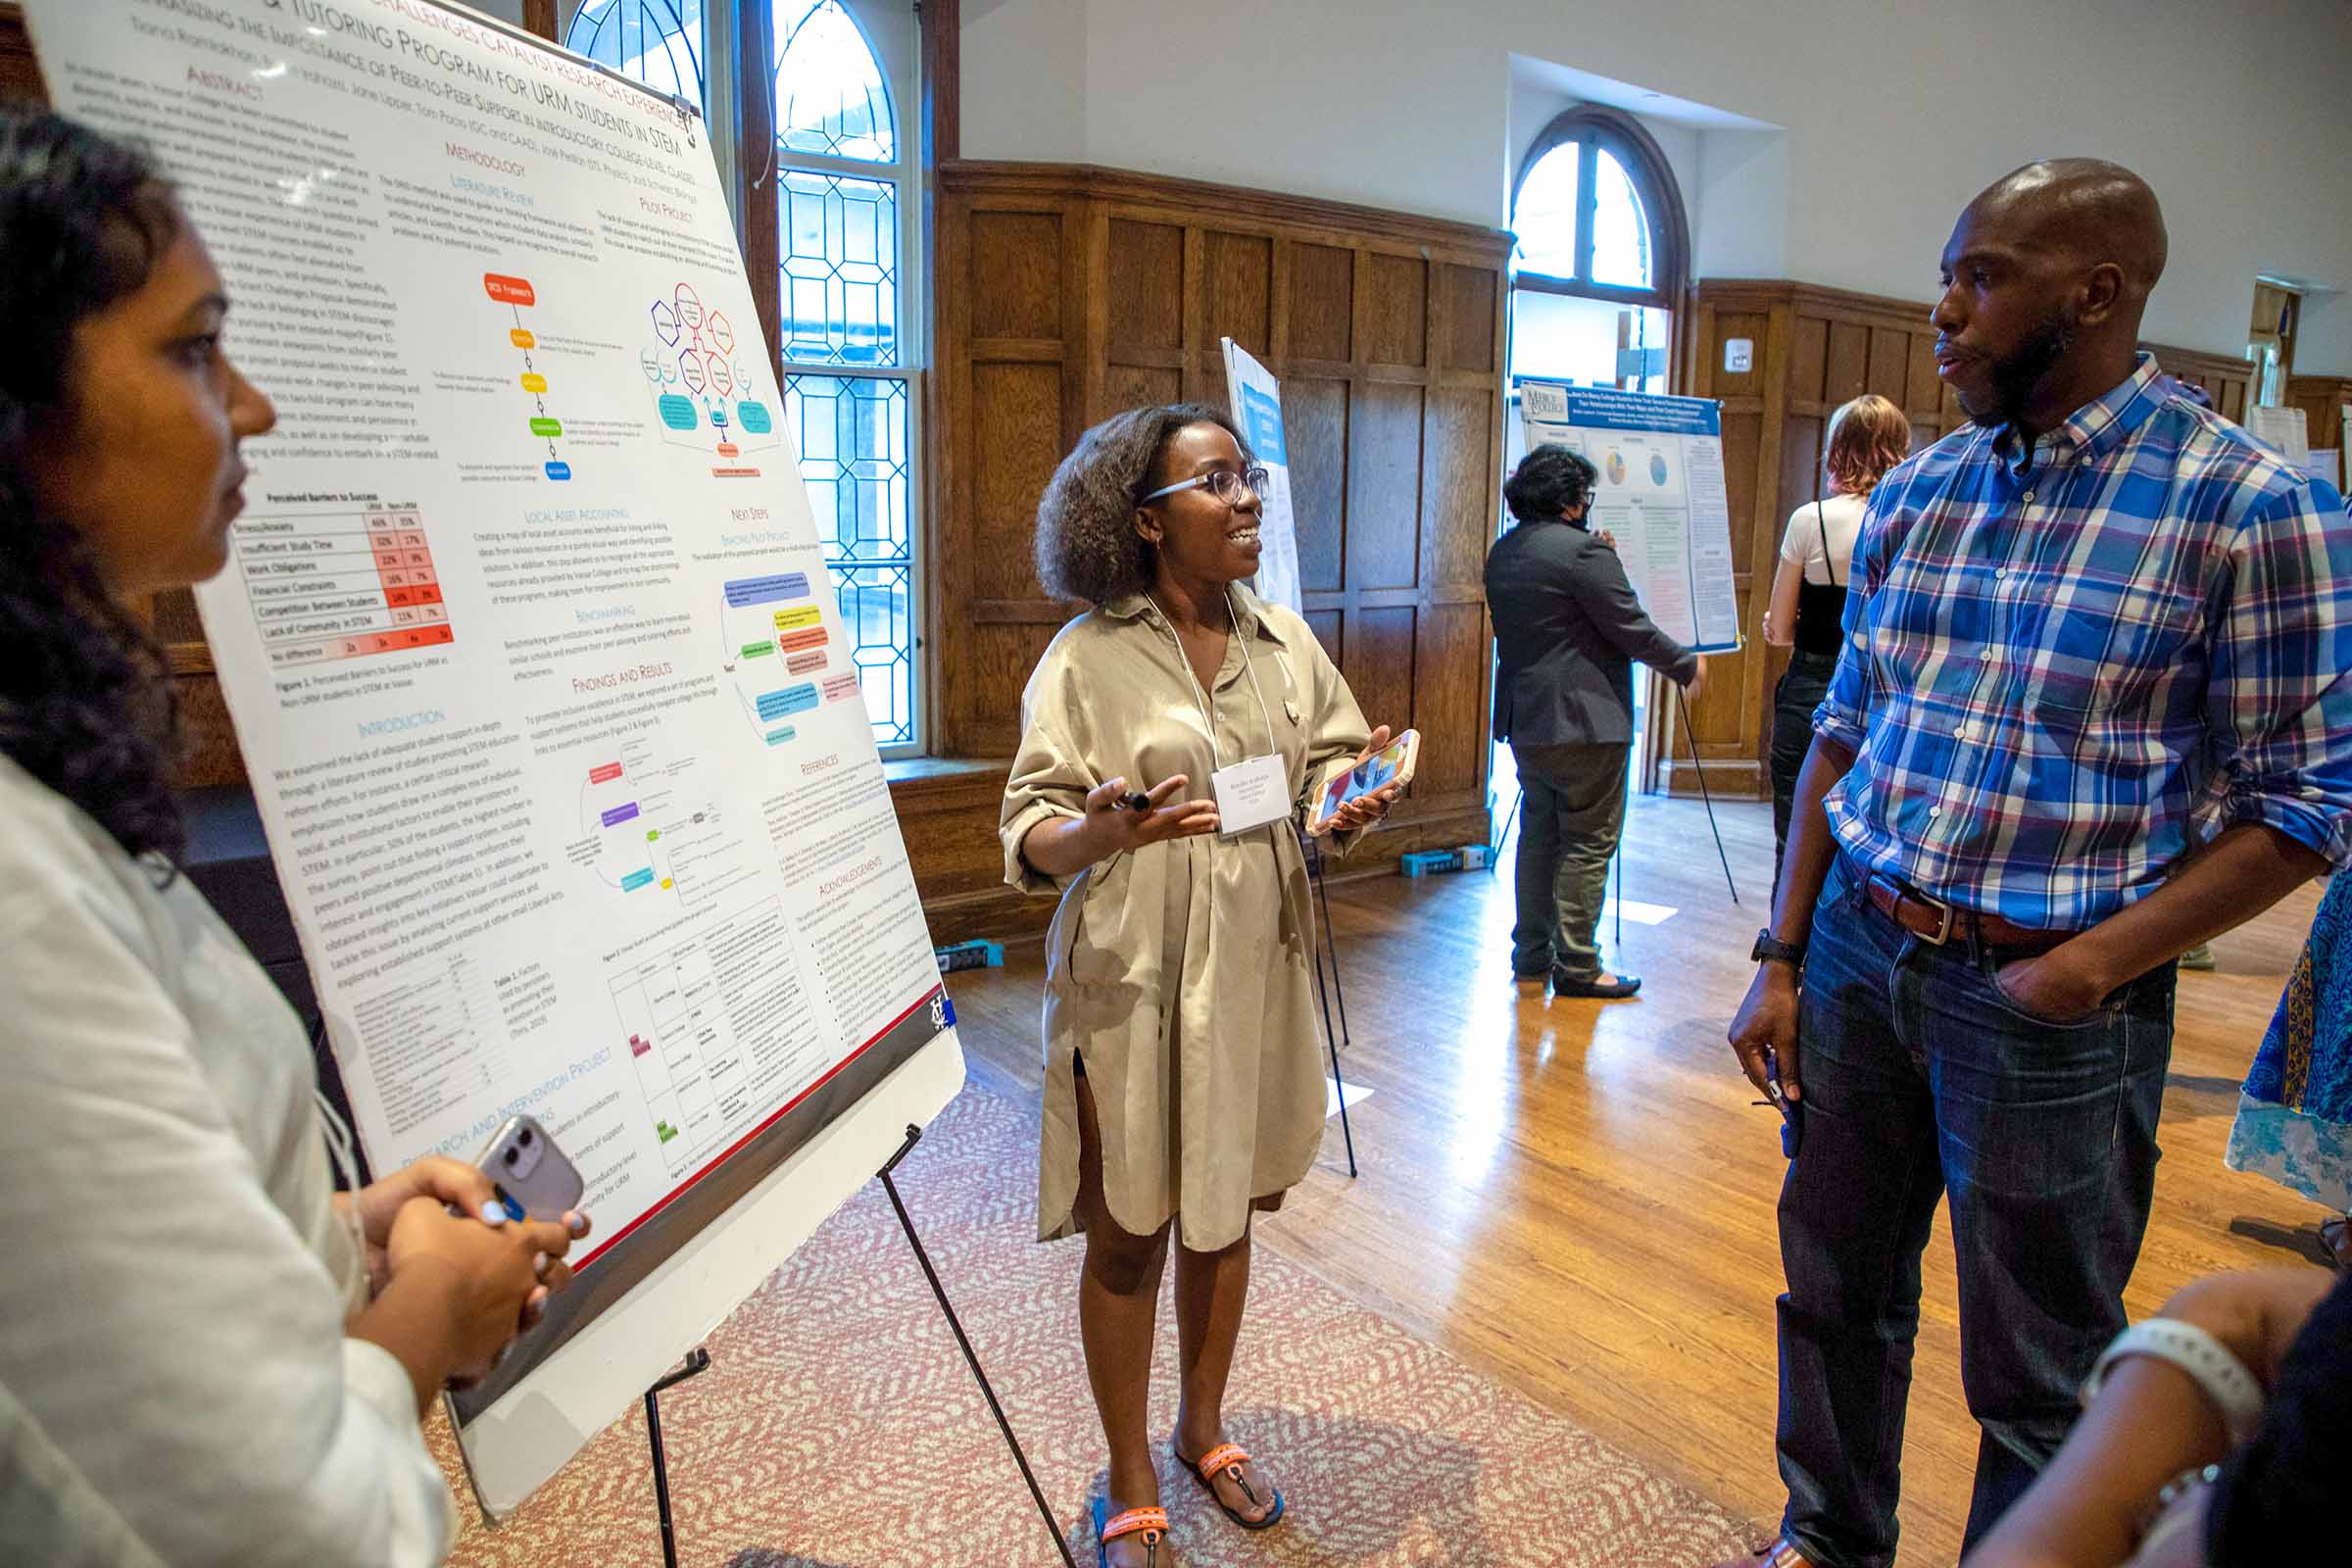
column 1919, row 1079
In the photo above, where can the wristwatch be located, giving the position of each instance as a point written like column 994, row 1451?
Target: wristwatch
column 1769, row 947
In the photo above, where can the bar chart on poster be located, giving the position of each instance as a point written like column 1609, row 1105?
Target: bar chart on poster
column 533, row 654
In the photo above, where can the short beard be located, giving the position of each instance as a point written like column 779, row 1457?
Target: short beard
column 2015, row 378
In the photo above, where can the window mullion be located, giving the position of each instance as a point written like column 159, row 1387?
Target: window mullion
column 1587, row 203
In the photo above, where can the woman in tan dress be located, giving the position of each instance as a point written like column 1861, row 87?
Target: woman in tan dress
column 1184, row 1086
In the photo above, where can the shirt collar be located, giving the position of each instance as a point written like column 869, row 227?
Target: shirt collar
column 2092, row 430
column 1248, row 612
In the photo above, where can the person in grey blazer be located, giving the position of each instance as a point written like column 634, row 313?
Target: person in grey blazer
column 1567, row 631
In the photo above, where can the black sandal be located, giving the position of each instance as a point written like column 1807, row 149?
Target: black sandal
column 1227, row 1459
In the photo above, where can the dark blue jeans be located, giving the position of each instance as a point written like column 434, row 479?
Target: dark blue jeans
column 1921, row 1080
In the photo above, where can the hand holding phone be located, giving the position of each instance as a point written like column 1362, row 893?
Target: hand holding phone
column 533, row 1177
column 1392, row 764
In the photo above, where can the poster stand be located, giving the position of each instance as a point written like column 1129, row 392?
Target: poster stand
column 915, row 1135
column 1681, row 706
column 699, row 1362
column 1326, row 951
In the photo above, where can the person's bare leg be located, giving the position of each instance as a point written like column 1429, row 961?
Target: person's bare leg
column 1119, row 1308
column 1211, row 1291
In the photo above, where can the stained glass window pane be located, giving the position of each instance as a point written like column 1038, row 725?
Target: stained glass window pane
column 852, row 437
column 1621, row 249
column 659, row 42
column 1545, row 215
column 830, row 96
column 841, row 268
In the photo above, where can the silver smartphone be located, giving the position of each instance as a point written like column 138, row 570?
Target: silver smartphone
column 534, row 1178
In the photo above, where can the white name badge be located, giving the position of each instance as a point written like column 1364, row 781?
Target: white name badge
column 1251, row 794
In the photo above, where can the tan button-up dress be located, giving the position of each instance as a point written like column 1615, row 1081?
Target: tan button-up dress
column 1180, row 971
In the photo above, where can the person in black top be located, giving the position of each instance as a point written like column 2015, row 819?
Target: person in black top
column 2151, row 1477
column 1567, row 631
column 1865, row 437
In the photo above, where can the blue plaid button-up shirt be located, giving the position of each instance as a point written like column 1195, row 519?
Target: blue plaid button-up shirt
column 2057, row 659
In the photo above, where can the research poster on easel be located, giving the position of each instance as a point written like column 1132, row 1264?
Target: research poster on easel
column 1659, row 493
column 535, row 662
column 1257, row 410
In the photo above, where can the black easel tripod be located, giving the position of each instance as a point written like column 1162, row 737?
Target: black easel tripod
column 1326, row 950
column 700, row 1360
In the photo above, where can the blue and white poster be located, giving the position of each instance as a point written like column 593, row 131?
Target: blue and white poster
column 1659, row 492
column 1257, row 410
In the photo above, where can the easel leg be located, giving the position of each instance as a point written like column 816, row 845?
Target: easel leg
column 971, row 1357
column 1324, row 947
column 1705, row 794
column 698, row 1360
column 1494, row 855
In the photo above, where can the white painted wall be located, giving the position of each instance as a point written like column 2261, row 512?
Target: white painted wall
column 1896, row 112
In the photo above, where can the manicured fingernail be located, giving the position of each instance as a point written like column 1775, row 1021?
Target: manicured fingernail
column 494, row 1213
column 536, row 1300
column 576, row 1223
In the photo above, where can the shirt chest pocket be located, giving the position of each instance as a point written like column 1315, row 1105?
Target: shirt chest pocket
column 2112, row 644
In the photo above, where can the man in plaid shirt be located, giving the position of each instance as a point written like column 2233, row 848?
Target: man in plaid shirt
column 2075, row 623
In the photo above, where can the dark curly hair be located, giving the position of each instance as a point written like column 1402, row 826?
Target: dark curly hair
column 1087, row 546
column 1548, row 482
column 85, row 705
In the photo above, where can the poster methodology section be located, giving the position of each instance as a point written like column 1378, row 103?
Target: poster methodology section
column 534, row 659
column 1660, row 491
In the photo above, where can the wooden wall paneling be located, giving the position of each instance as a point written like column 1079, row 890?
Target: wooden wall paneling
column 1450, row 687
column 1314, row 428
column 1379, row 665
column 1398, row 320
column 1383, row 485
column 2228, row 380
column 1386, row 332
column 1322, row 302
column 1240, row 293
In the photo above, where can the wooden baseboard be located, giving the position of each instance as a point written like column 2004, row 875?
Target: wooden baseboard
column 1727, row 777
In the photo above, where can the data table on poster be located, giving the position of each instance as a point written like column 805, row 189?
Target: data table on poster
column 341, row 582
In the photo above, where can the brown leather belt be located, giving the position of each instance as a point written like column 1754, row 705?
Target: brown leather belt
column 1937, row 923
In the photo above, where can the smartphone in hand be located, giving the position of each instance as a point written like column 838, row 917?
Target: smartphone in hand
column 535, row 1180
column 1393, row 764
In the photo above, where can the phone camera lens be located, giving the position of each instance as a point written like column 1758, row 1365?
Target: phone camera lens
column 524, row 1137
column 513, row 1155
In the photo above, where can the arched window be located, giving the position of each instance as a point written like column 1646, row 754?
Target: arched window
column 1597, row 213
column 659, row 42
column 845, row 171
column 845, row 174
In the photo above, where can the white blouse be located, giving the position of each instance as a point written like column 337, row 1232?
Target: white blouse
column 1840, row 518
column 172, row 1360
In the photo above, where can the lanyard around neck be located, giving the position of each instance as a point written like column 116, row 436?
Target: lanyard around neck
column 1209, row 710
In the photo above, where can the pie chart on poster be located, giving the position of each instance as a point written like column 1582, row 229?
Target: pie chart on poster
column 1616, row 467
column 1657, row 468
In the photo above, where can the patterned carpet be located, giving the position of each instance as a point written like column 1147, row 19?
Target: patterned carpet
column 838, row 1427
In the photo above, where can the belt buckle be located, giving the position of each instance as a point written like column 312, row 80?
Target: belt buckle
column 1944, row 930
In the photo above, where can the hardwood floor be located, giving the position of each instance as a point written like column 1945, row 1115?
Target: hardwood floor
column 1577, row 1197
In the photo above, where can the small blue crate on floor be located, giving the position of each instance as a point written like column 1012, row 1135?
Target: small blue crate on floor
column 970, row 955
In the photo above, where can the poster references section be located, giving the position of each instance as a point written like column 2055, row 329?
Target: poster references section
column 1660, row 490
column 553, row 723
